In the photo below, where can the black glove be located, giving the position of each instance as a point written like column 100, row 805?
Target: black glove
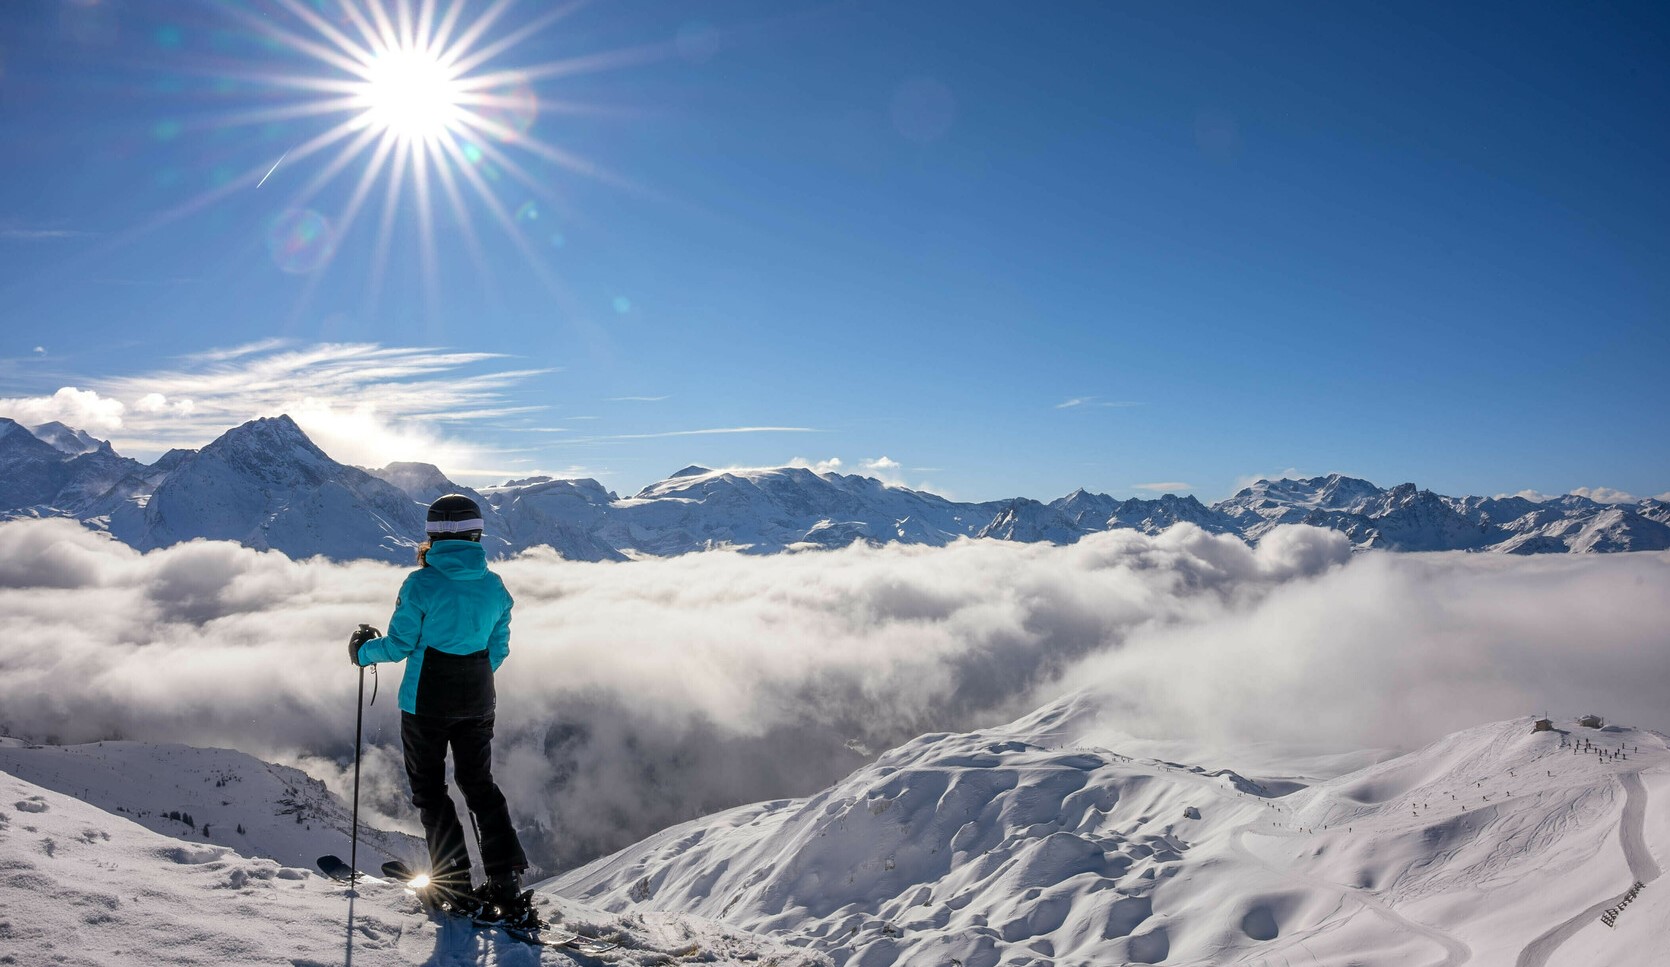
column 360, row 637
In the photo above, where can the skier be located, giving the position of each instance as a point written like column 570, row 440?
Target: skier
column 451, row 626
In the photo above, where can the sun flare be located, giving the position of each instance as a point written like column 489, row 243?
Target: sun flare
column 410, row 94
column 427, row 100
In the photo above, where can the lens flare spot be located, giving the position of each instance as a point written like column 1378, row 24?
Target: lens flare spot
column 558, row 240
column 623, row 305
column 169, row 36
column 510, row 109
column 527, row 212
column 166, row 130
column 300, row 240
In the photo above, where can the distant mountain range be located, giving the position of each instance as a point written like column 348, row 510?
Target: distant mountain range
column 266, row 485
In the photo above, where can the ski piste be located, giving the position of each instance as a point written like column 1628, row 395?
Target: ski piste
column 540, row 935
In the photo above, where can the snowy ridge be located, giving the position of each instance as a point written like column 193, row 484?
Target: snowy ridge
column 1027, row 846
column 266, row 485
column 234, row 801
column 79, row 884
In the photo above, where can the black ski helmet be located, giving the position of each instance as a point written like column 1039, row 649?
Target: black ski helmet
column 454, row 517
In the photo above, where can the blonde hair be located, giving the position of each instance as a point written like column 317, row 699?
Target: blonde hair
column 423, row 554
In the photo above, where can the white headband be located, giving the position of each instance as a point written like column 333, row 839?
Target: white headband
column 452, row 526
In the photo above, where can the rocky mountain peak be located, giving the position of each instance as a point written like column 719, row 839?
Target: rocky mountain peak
column 68, row 439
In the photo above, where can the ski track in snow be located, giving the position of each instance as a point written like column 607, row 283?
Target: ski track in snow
column 1455, row 952
column 1462, row 852
column 1642, row 868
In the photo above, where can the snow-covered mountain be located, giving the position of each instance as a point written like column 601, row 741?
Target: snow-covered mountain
column 68, row 439
column 789, row 507
column 60, row 471
column 1030, row 844
column 266, row 485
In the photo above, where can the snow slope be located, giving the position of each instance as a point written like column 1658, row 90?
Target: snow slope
column 83, row 886
column 1028, row 844
column 236, row 801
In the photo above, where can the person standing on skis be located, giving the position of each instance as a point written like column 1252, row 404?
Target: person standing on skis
column 451, row 626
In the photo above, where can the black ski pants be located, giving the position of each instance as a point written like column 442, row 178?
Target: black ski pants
column 426, row 739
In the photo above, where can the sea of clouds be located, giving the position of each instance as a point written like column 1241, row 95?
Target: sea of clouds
column 640, row 695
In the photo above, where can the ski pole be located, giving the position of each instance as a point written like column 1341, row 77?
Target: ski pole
column 354, row 837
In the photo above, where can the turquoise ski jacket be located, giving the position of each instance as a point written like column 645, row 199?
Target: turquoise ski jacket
column 457, row 612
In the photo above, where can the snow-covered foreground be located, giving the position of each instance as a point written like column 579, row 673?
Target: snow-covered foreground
column 81, row 885
column 1028, row 844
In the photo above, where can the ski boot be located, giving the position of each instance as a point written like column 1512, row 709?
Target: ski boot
column 451, row 892
column 505, row 904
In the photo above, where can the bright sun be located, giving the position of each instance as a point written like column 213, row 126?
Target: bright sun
column 410, row 94
column 420, row 96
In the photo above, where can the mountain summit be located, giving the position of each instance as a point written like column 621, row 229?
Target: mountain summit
column 265, row 484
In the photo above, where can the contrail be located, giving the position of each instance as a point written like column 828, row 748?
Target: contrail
column 274, row 168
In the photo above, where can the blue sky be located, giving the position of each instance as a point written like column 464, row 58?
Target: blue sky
column 1111, row 245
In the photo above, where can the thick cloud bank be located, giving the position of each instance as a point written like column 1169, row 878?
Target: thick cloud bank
column 639, row 695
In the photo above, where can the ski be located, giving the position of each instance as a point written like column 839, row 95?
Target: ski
column 333, row 866
column 539, row 935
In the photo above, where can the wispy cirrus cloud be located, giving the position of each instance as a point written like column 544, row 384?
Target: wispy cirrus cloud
column 1167, row 486
column 363, row 403
column 708, row 432
column 1093, row 401
column 166, row 280
column 222, row 354
column 636, row 399
column 18, row 233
